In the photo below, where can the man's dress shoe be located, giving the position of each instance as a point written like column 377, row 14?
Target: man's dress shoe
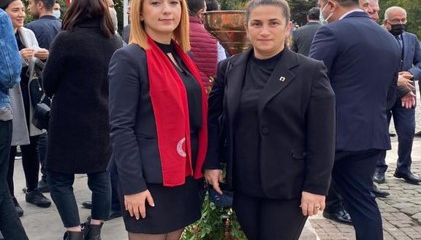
column 379, row 193
column 408, row 177
column 87, row 204
column 379, row 178
column 341, row 216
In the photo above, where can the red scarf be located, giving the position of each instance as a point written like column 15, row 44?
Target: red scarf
column 171, row 111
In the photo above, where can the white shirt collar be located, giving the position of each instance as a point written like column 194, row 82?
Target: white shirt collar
column 347, row 13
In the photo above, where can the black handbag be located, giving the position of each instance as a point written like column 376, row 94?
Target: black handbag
column 40, row 103
column 41, row 115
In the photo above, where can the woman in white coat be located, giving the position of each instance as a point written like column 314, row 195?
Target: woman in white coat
column 25, row 133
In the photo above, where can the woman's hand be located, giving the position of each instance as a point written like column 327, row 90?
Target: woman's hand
column 27, row 53
column 41, row 53
column 136, row 203
column 214, row 177
column 312, row 203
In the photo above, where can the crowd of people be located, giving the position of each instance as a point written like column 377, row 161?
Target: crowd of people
column 291, row 130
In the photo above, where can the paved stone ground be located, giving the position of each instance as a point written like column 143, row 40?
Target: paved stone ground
column 401, row 211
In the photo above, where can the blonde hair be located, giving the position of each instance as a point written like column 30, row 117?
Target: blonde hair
column 138, row 34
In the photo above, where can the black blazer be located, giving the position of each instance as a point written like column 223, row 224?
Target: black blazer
column 135, row 156
column 297, row 124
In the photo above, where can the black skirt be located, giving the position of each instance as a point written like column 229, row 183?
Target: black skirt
column 175, row 208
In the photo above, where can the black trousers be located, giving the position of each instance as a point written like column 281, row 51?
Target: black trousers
column 61, row 189
column 333, row 199
column 30, row 163
column 269, row 219
column 10, row 224
column 352, row 173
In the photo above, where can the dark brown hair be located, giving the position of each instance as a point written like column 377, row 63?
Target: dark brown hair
column 280, row 3
column 48, row 4
column 96, row 9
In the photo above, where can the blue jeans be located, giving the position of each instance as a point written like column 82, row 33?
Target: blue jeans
column 404, row 120
column 10, row 224
column 61, row 189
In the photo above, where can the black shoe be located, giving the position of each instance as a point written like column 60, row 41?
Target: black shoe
column 114, row 214
column 417, row 134
column 379, row 178
column 18, row 208
column 408, row 177
column 87, row 204
column 92, row 232
column 341, row 216
column 37, row 198
column 43, row 186
column 73, row 236
column 379, row 193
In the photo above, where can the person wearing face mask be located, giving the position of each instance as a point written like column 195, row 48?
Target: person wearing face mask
column 57, row 10
column 335, row 209
column 46, row 26
column 403, row 115
column 362, row 73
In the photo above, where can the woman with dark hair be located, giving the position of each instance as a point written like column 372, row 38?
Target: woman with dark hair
column 76, row 77
column 275, row 109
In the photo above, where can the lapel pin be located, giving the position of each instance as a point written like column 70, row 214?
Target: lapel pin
column 282, row 79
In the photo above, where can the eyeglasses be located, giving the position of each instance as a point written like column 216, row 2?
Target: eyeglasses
column 397, row 21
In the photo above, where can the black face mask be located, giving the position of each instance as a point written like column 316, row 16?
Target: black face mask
column 397, row 29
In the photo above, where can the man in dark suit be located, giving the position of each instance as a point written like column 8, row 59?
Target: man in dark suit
column 362, row 73
column 302, row 37
column 403, row 116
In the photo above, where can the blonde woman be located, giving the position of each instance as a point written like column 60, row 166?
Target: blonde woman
column 158, row 122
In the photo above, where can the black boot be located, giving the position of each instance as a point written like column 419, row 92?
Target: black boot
column 92, row 232
column 73, row 235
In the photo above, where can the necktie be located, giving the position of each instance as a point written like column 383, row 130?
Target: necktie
column 399, row 39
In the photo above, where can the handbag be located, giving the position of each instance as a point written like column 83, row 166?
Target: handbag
column 41, row 115
column 40, row 102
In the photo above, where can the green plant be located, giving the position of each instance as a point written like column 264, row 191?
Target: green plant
column 232, row 4
column 216, row 224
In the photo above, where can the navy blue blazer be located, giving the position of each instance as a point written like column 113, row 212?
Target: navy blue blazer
column 411, row 59
column 411, row 55
column 135, row 157
column 297, row 124
column 362, row 59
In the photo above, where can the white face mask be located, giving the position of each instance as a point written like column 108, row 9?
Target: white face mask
column 57, row 14
column 322, row 19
